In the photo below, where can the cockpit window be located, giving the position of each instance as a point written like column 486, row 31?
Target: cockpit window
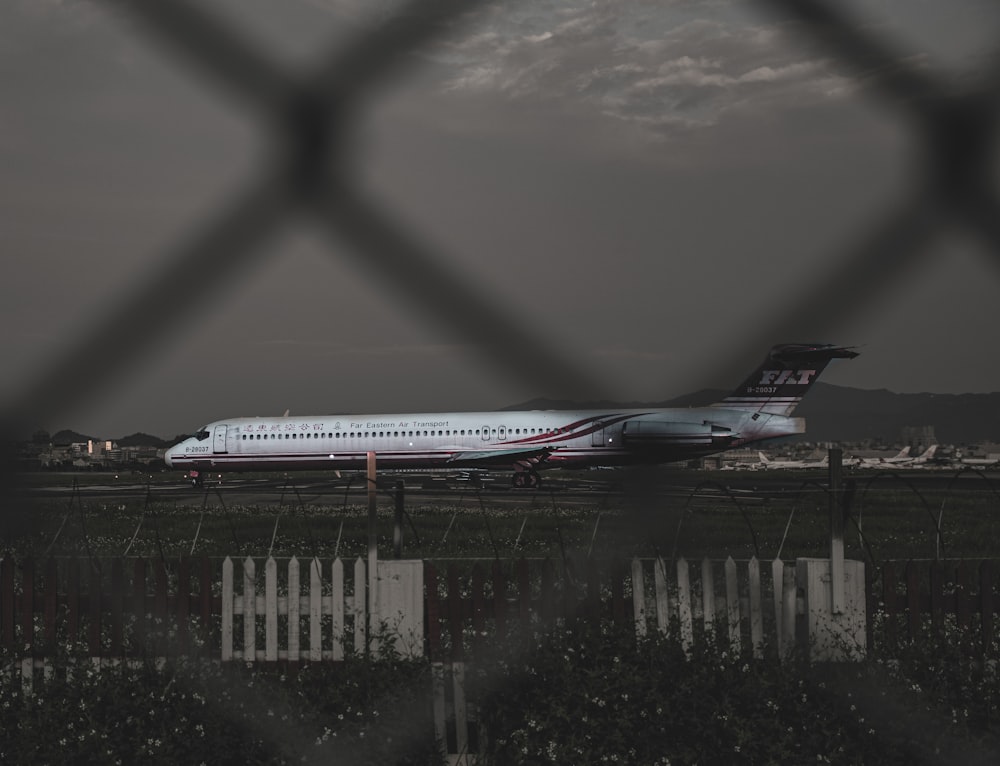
column 202, row 434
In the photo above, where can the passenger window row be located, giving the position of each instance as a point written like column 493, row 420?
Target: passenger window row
column 393, row 434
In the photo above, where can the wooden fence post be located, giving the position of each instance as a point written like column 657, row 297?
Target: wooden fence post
column 833, row 636
column 400, row 601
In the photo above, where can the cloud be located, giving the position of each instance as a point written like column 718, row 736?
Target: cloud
column 646, row 64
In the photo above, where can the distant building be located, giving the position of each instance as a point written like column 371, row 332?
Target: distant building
column 918, row 438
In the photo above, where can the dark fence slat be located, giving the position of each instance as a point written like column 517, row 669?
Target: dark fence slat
column 7, row 612
column 523, row 593
column 986, row 603
column 73, row 597
column 963, row 596
column 139, row 600
column 205, row 610
column 51, row 605
column 160, row 608
column 184, row 603
column 912, row 600
column 432, row 608
column 937, row 588
column 117, row 599
column 617, row 593
column 499, row 598
column 94, row 612
column 593, row 607
column 455, row 614
column 478, row 610
column 28, row 606
column 891, row 599
column 547, row 604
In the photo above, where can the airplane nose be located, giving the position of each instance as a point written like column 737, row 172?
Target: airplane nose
column 168, row 458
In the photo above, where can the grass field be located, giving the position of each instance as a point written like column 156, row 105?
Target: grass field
column 692, row 514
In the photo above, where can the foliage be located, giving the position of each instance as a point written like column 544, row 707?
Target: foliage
column 584, row 696
column 204, row 712
column 945, row 670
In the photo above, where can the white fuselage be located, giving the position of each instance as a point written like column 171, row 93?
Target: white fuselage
column 515, row 439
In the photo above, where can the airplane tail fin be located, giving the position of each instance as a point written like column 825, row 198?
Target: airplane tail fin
column 786, row 374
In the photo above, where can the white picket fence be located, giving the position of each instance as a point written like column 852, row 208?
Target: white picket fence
column 737, row 603
column 740, row 604
column 331, row 610
column 725, row 596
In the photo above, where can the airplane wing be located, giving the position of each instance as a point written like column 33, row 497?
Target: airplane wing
column 503, row 456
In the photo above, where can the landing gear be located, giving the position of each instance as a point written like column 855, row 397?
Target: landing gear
column 527, row 480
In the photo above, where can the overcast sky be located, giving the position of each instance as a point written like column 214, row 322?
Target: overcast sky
column 646, row 186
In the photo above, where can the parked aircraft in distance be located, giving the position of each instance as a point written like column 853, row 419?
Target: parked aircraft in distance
column 980, row 462
column 901, row 460
column 522, row 441
column 771, row 463
column 903, row 456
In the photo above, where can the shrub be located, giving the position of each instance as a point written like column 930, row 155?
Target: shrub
column 588, row 696
column 203, row 712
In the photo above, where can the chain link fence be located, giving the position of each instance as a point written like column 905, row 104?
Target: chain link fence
column 309, row 120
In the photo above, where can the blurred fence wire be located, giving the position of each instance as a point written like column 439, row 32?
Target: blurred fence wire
column 309, row 117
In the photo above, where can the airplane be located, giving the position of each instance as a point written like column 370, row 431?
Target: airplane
column 771, row 463
column 902, row 460
column 980, row 462
column 903, row 456
column 521, row 441
column 924, row 457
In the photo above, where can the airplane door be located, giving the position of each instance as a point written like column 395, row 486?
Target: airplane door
column 219, row 439
column 486, row 433
column 503, row 433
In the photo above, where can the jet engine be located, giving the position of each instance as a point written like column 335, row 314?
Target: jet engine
column 663, row 431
